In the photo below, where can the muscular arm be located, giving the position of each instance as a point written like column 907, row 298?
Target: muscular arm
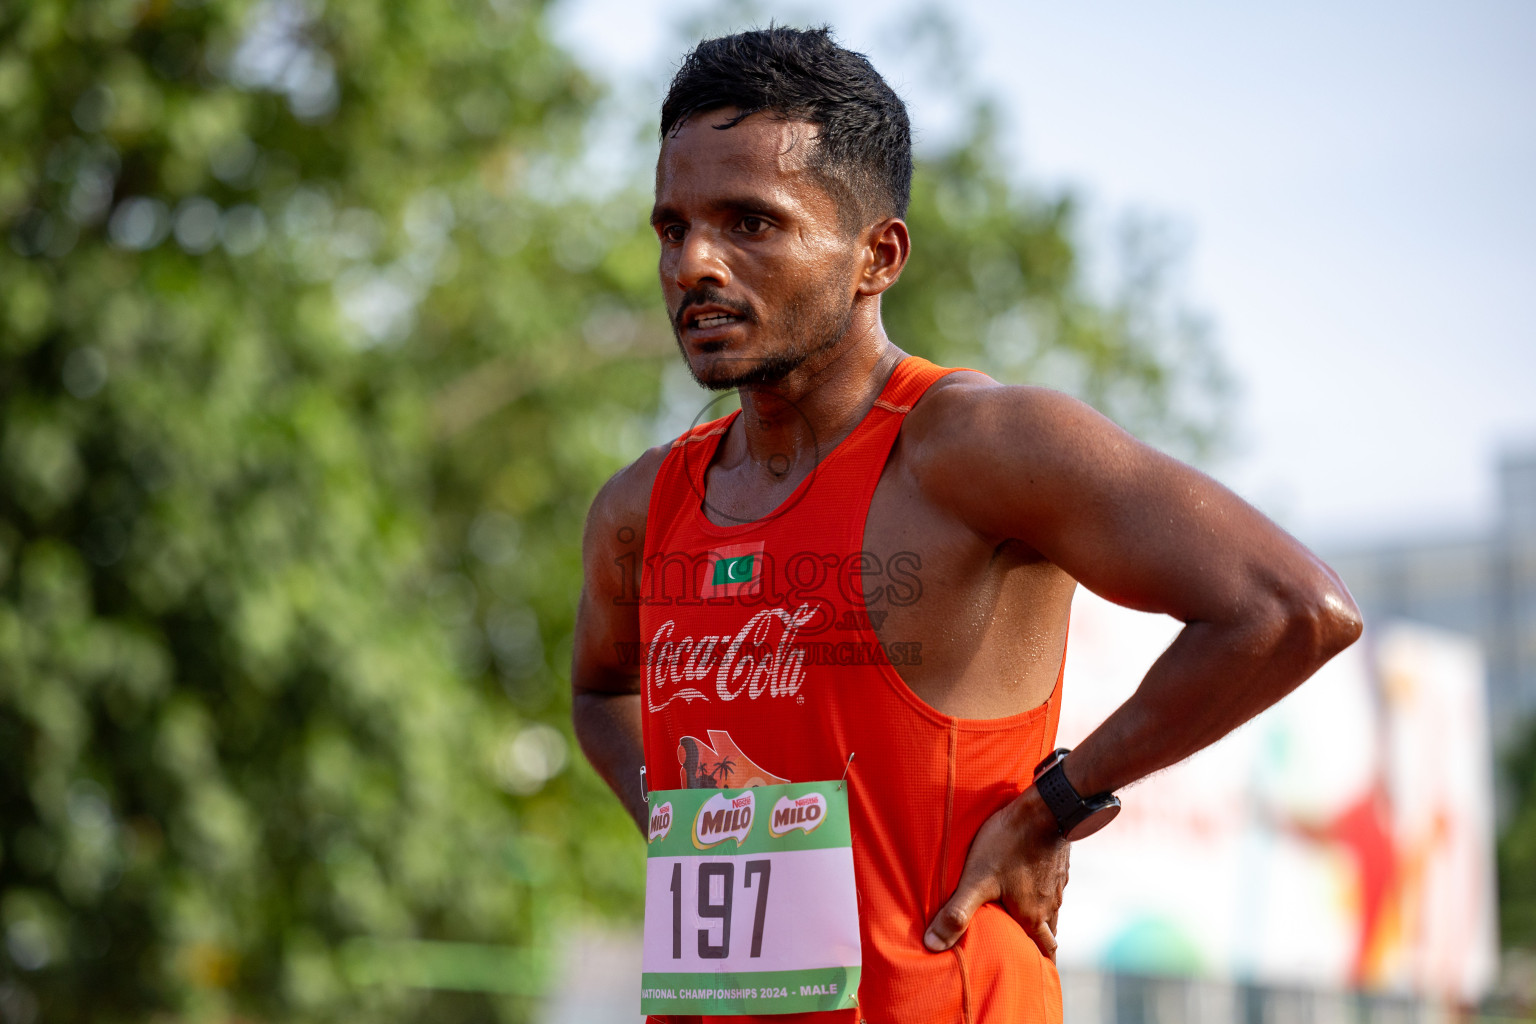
column 1261, row 613
column 605, row 662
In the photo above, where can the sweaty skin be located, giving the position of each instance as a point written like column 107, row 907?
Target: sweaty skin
column 1008, row 496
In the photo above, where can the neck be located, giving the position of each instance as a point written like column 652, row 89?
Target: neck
column 794, row 422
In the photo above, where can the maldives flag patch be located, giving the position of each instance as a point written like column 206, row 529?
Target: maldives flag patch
column 733, row 570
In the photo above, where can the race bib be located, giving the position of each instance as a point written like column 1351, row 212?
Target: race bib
column 749, row 901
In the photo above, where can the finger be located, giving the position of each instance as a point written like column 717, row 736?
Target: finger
column 955, row 916
column 1045, row 937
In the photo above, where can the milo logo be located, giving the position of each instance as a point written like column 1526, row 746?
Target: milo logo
column 723, row 817
column 661, row 821
column 805, row 813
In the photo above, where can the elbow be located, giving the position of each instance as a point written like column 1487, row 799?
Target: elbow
column 1348, row 624
column 585, row 713
column 587, row 726
column 1323, row 618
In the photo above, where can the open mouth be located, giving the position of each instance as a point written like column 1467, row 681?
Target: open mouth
column 706, row 317
column 708, row 320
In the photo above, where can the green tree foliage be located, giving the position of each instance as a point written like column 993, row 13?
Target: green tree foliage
column 313, row 349
column 240, row 765
column 1517, row 849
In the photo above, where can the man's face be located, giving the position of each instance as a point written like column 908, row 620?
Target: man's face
column 757, row 274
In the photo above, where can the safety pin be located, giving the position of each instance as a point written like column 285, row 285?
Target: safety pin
column 645, row 794
column 845, row 769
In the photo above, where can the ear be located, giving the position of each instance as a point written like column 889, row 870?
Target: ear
column 886, row 248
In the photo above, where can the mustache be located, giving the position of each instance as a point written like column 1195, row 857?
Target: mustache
column 709, row 295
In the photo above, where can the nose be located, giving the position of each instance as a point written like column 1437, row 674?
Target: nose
column 699, row 259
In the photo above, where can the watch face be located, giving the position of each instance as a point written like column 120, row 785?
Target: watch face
column 1096, row 819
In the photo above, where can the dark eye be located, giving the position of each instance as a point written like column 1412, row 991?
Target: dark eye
column 672, row 232
column 752, row 225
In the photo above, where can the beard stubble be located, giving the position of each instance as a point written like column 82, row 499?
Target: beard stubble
column 813, row 322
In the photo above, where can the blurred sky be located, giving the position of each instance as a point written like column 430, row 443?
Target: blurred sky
column 1355, row 185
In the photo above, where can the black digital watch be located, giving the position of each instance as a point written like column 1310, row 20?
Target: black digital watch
column 1077, row 817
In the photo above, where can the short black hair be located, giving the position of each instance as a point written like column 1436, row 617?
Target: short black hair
column 863, row 154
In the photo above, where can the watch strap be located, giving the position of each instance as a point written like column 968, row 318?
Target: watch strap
column 1076, row 817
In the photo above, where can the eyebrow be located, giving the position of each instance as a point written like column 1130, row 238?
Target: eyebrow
column 729, row 204
column 755, row 205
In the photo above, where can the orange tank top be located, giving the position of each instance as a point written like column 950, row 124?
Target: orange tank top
column 765, row 669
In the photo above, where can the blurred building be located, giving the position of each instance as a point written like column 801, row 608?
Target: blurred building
column 1481, row 584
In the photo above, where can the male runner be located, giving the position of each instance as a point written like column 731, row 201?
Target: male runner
column 896, row 546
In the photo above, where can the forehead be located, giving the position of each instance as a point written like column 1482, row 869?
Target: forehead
column 760, row 156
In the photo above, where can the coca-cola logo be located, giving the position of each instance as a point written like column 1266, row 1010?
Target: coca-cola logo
column 761, row 658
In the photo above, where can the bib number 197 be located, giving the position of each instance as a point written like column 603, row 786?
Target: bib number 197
column 716, row 888
column 750, row 905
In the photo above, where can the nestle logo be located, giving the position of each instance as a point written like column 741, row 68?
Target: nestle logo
column 661, row 821
column 805, row 813
column 722, row 818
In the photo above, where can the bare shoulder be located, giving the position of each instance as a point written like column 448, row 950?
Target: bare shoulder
column 618, row 513
column 967, row 422
column 1031, row 464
